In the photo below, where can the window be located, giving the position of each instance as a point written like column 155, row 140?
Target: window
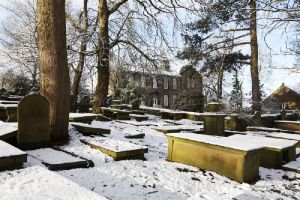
column 143, row 81
column 174, row 98
column 154, row 83
column 166, row 83
column 174, row 83
column 166, row 100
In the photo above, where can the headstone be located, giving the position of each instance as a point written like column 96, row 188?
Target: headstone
column 33, row 121
column 214, row 124
column 84, row 104
column 136, row 104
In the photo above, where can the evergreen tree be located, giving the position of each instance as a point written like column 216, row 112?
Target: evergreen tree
column 236, row 98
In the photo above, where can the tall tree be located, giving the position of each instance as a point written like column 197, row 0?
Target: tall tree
column 54, row 72
column 226, row 26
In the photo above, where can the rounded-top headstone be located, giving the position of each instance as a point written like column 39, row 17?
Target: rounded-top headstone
column 33, row 120
column 84, row 104
column 135, row 104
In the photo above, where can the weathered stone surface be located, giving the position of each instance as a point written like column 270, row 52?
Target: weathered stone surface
column 7, row 131
column 8, row 112
column 90, row 130
column 11, row 157
column 214, row 107
column 288, row 125
column 238, row 164
column 214, row 124
column 117, row 149
column 139, row 118
column 84, row 104
column 57, row 159
column 33, row 121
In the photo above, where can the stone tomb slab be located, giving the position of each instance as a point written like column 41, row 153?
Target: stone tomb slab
column 117, row 149
column 56, row 159
column 33, row 121
column 136, row 123
column 175, row 129
column 8, row 131
column 83, row 117
column 236, row 160
column 138, row 118
column 286, row 136
column 38, row 183
column 11, row 157
column 8, row 112
column 292, row 166
column 287, row 125
column 274, row 151
column 87, row 129
column 173, row 115
column 135, row 135
column 214, row 123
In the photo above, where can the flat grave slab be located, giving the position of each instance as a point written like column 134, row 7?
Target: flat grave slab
column 11, row 157
column 37, row 183
column 55, row 159
column 297, row 152
column 176, row 129
column 135, row 135
column 286, row 136
column 287, row 125
column 83, row 117
column 173, row 115
column 136, row 123
column 8, row 112
column 184, row 122
column 231, row 158
column 274, row 150
column 7, row 131
column 117, row 149
column 138, row 117
column 292, row 166
column 261, row 128
column 87, row 129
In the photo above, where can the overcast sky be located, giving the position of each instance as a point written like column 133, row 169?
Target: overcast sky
column 272, row 79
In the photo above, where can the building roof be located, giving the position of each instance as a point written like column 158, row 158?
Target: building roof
column 283, row 94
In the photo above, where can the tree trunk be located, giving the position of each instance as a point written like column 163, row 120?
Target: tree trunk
column 80, row 65
column 256, row 96
column 103, row 57
column 220, row 85
column 54, row 72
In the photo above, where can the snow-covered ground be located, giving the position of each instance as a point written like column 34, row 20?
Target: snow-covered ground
column 156, row 178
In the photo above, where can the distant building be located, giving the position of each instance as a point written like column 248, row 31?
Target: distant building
column 161, row 88
column 282, row 97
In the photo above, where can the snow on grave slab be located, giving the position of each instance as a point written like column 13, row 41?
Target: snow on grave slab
column 136, row 123
column 59, row 160
column 38, row 183
column 87, row 129
column 11, row 157
column 261, row 128
column 83, row 117
column 117, row 149
column 176, row 129
column 286, row 136
column 275, row 151
column 7, row 131
column 233, row 159
column 292, row 166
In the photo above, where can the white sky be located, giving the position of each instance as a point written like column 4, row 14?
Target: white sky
column 271, row 79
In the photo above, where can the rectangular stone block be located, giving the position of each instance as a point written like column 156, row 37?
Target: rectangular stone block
column 288, row 125
column 286, row 136
column 274, row 151
column 90, row 130
column 83, row 117
column 117, row 149
column 11, row 157
column 7, row 131
column 138, row 118
column 56, row 159
column 235, row 161
column 214, row 124
column 9, row 112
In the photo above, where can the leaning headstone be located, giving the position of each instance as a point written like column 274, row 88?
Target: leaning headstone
column 135, row 104
column 84, row 104
column 33, row 121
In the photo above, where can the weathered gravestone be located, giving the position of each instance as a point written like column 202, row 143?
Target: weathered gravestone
column 73, row 103
column 33, row 121
column 135, row 104
column 84, row 104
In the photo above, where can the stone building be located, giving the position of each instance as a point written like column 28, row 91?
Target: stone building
column 160, row 89
column 282, row 97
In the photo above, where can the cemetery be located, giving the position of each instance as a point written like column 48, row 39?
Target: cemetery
column 134, row 100
column 159, row 144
